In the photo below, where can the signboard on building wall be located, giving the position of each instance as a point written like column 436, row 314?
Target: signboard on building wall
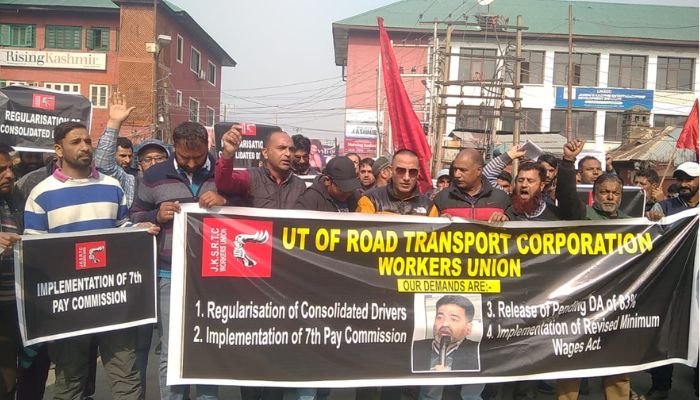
column 362, row 124
column 605, row 98
column 363, row 147
column 28, row 116
column 52, row 59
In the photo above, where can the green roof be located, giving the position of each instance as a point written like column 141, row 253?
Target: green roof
column 541, row 17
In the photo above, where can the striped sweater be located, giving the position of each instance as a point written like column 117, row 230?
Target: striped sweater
column 61, row 204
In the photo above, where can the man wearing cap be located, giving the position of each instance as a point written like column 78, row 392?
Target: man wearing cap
column 331, row 193
column 332, row 190
column 687, row 177
column 107, row 146
column 381, row 171
column 442, row 180
column 150, row 152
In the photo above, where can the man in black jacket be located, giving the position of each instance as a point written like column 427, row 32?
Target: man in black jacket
column 331, row 191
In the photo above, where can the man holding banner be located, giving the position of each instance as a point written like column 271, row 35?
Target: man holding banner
column 188, row 176
column 607, row 193
column 76, row 197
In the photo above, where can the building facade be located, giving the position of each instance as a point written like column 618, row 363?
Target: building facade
column 623, row 55
column 159, row 57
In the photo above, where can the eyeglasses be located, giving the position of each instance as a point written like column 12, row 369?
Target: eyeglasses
column 154, row 159
column 412, row 172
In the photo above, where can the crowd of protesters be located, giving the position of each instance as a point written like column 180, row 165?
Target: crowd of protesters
column 117, row 184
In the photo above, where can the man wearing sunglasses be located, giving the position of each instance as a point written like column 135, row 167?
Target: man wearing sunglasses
column 401, row 195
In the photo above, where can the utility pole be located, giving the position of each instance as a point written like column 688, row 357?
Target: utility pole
column 442, row 120
column 431, row 86
column 570, row 77
column 379, row 105
column 516, row 83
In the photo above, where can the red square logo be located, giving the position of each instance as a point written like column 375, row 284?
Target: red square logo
column 44, row 101
column 90, row 255
column 236, row 247
column 248, row 129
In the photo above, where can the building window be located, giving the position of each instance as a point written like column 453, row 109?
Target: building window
column 613, row 126
column 583, row 123
column 627, row 71
column 63, row 87
column 210, row 116
column 674, row 74
column 474, row 66
column 211, row 74
column 473, row 117
column 12, row 35
column 194, row 110
column 530, row 120
column 99, row 95
column 180, row 48
column 662, row 121
column 178, row 98
column 64, row 37
column 531, row 68
column 196, row 61
column 10, row 83
column 585, row 69
column 97, row 39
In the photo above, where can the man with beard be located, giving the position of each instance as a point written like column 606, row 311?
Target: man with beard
column 187, row 176
column 550, row 164
column 365, row 174
column 470, row 194
column 607, row 193
column 687, row 176
column 527, row 198
column 28, row 161
column 300, row 158
column 76, row 197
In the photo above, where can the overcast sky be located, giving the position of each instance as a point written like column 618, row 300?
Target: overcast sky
column 286, row 72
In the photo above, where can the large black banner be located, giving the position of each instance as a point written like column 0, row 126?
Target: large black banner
column 75, row 284
column 308, row 299
column 28, row 115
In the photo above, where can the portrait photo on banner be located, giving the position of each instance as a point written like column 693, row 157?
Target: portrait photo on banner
column 447, row 332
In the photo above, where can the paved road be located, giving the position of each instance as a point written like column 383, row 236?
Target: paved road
column 682, row 386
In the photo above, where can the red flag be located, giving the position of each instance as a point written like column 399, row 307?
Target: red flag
column 688, row 139
column 406, row 127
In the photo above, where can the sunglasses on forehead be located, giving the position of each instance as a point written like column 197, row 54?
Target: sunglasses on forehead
column 412, row 172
